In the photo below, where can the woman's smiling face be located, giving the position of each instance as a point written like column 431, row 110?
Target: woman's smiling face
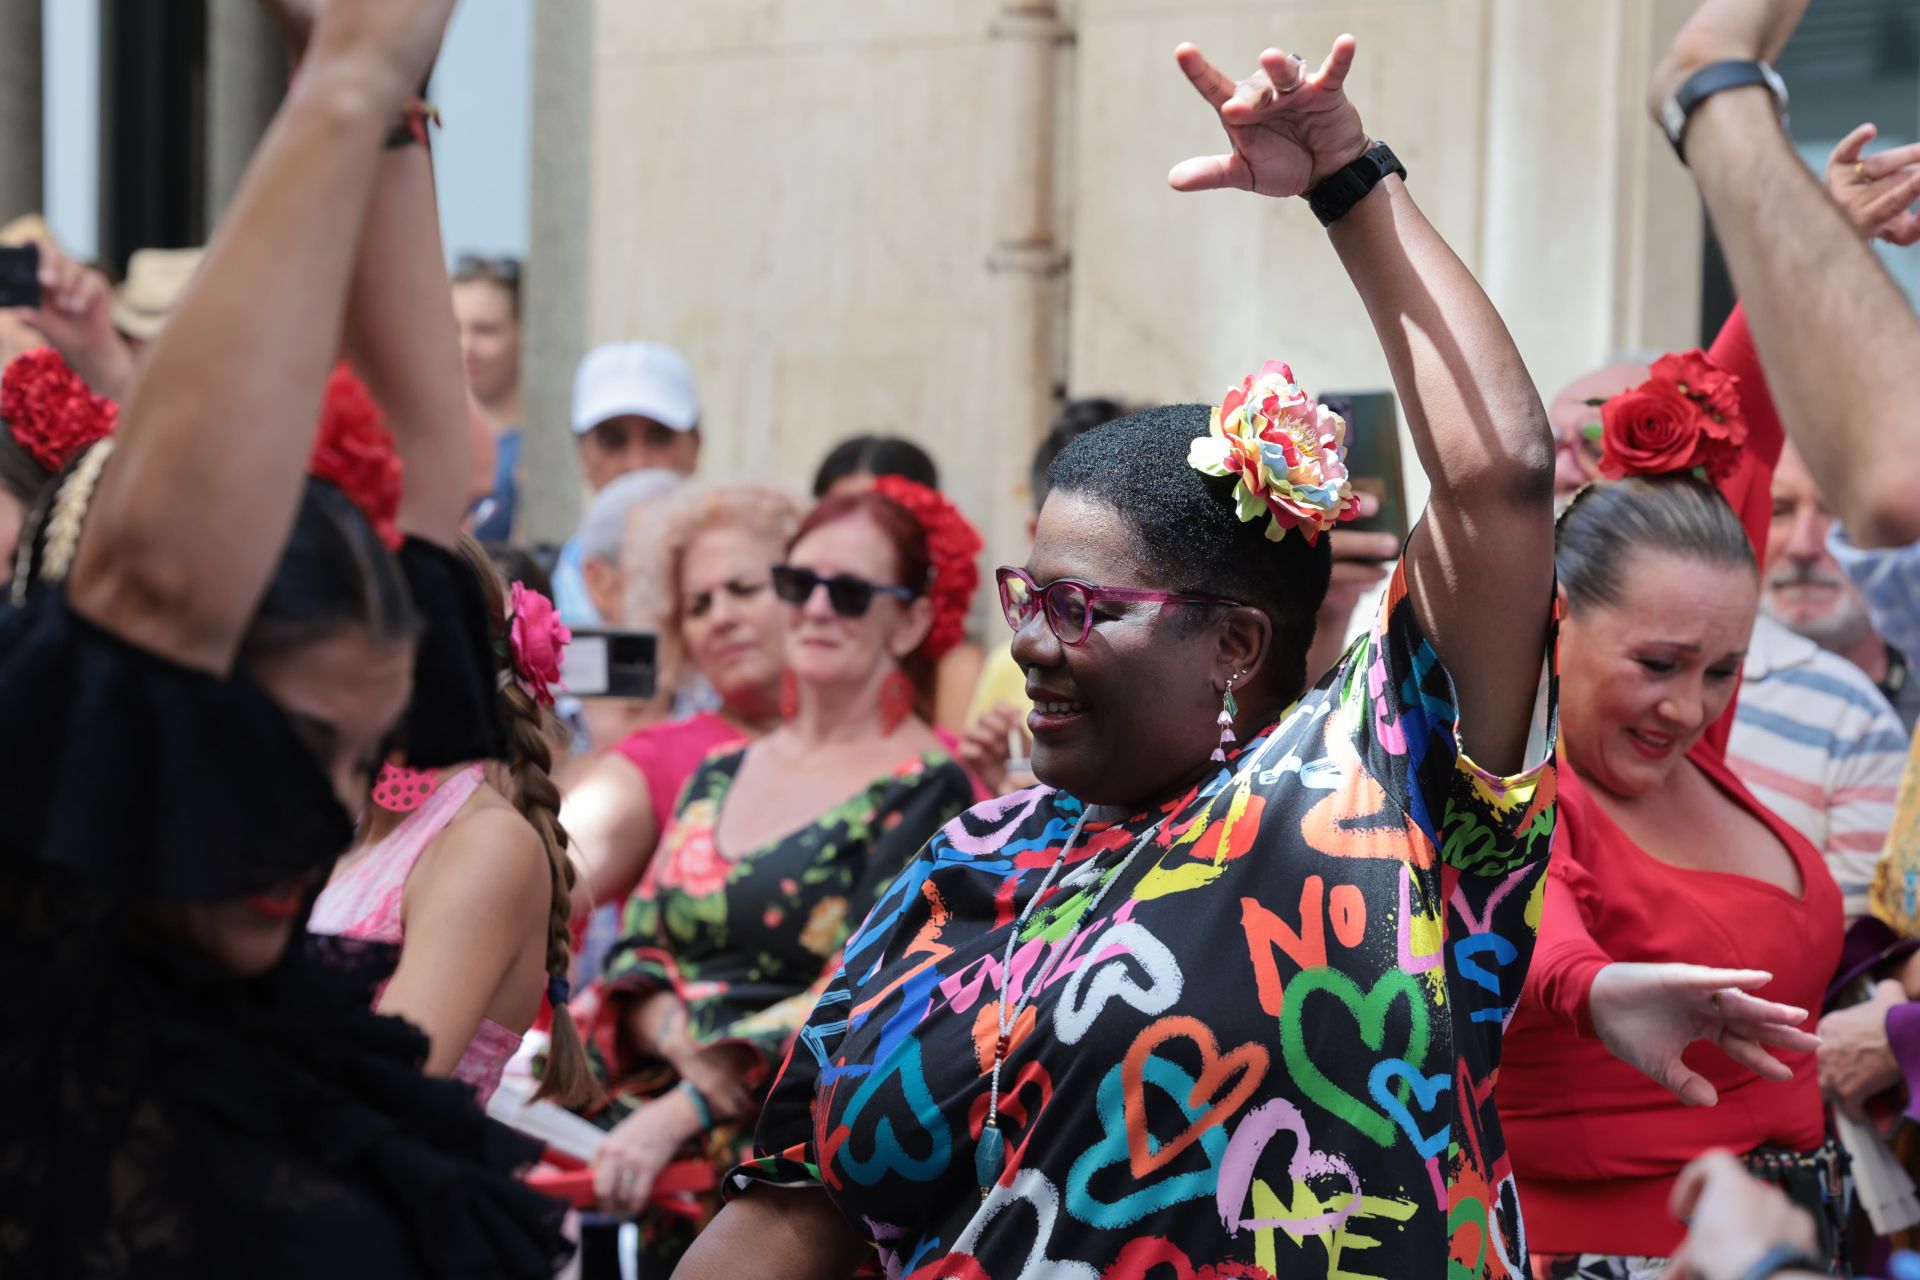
column 1643, row 677
column 1128, row 717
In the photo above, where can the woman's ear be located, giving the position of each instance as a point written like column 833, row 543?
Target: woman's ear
column 916, row 621
column 1246, row 640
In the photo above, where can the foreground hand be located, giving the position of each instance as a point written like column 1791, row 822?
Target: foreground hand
column 1732, row 1218
column 1647, row 1015
column 1720, row 30
column 1288, row 129
column 1856, row 1062
column 1878, row 191
column 631, row 1157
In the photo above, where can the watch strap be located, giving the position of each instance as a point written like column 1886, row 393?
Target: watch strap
column 1334, row 197
column 1783, row 1257
column 1713, row 78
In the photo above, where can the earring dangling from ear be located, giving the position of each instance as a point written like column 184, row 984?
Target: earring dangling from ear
column 1228, row 710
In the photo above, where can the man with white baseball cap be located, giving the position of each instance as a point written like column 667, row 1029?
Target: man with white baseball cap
column 634, row 410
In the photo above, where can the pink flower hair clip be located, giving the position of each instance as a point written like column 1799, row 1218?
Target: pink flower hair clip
column 1288, row 451
column 538, row 639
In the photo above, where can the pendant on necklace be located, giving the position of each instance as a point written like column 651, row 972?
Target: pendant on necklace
column 990, row 1156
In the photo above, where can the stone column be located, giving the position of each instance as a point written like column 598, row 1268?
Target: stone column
column 1028, row 265
column 22, row 125
column 246, row 78
column 553, row 300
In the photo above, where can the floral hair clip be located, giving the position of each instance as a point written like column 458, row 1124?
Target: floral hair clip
column 1685, row 417
column 1288, row 451
column 538, row 638
column 953, row 546
column 353, row 450
column 50, row 412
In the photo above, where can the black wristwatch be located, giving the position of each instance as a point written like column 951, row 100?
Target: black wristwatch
column 1706, row 82
column 1339, row 191
column 1783, row 1257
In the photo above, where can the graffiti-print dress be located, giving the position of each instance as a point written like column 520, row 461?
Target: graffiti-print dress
column 1272, row 1051
column 748, row 941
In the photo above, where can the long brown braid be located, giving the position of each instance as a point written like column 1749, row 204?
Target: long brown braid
column 568, row 1078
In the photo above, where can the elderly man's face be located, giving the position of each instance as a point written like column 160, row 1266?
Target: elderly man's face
column 1805, row 588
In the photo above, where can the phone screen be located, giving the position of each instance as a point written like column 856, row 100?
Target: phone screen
column 20, row 276
column 611, row 664
column 1373, row 456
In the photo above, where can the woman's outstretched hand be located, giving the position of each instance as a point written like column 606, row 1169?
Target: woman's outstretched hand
column 1288, row 129
column 1647, row 1015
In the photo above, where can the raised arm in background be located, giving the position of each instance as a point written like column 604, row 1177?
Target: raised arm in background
column 1480, row 563
column 190, row 518
column 1843, row 359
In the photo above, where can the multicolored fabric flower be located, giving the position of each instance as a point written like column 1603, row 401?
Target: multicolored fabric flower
column 1288, row 451
column 354, row 451
column 49, row 411
column 539, row 639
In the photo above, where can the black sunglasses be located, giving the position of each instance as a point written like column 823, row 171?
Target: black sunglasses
column 850, row 597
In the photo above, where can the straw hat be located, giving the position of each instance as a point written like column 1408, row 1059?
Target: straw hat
column 155, row 280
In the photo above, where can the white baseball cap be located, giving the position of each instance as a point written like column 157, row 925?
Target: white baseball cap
column 634, row 379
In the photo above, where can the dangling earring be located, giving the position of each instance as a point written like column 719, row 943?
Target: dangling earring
column 896, row 701
column 789, row 695
column 1228, row 710
column 400, row 789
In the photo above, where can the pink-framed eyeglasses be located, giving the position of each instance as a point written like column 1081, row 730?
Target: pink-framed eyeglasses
column 1068, row 602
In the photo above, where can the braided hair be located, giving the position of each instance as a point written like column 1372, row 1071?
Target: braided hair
column 568, row 1079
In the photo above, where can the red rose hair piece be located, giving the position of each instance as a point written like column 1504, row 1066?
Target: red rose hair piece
column 1685, row 417
column 953, row 547
column 50, row 412
column 353, row 450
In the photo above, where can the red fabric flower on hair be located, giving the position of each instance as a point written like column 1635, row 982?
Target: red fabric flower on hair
column 354, row 451
column 953, row 546
column 50, row 412
column 1685, row 417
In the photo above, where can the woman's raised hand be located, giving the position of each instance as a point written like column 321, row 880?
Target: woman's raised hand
column 1647, row 1015
column 1288, row 129
column 1878, row 191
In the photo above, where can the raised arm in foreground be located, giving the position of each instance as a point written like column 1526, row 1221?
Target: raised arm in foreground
column 1480, row 564
column 191, row 516
column 1843, row 358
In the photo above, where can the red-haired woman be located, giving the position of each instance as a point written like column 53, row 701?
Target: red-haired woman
column 777, row 851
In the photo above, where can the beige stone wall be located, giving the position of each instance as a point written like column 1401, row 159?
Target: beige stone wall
column 925, row 218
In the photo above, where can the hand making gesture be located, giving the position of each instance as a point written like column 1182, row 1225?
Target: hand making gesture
column 1289, row 129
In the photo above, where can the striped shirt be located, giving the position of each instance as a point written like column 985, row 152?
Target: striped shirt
column 1818, row 744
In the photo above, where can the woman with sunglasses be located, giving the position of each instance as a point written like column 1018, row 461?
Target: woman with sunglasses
column 1223, row 996
column 777, row 851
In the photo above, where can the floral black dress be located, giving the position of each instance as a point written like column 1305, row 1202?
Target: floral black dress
column 1269, row 1050
column 748, row 941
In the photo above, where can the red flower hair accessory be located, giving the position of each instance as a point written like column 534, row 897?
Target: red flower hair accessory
column 1685, row 417
column 354, row 451
column 953, row 546
column 50, row 412
column 538, row 639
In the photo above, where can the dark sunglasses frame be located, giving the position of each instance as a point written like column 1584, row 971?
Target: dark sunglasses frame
column 850, row 596
column 1051, row 602
column 501, row 270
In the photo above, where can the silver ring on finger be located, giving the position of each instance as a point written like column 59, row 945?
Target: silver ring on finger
column 1300, row 80
column 625, row 1181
